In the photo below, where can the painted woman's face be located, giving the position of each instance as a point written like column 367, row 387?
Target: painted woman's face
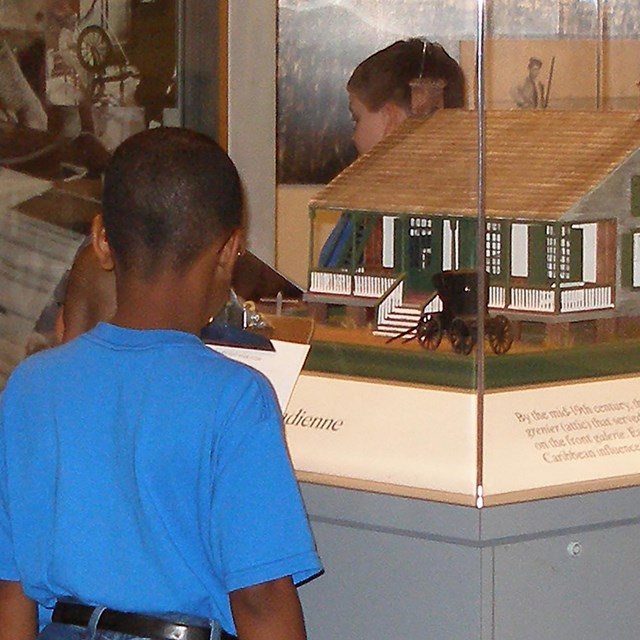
column 369, row 127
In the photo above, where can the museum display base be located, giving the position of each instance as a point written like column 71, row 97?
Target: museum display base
column 414, row 569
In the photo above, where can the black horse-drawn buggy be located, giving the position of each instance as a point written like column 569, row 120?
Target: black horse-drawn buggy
column 458, row 291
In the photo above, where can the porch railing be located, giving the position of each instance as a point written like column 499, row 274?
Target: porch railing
column 330, row 282
column 359, row 284
column 391, row 301
column 540, row 300
column 434, row 305
column 586, row 299
column 370, row 286
column 497, row 297
column 572, row 299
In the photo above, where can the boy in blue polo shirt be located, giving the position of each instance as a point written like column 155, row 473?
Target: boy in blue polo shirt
column 145, row 487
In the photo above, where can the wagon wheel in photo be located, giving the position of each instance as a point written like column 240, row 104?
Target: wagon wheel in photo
column 500, row 334
column 461, row 336
column 94, row 49
column 429, row 332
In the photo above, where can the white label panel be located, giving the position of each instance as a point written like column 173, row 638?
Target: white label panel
column 536, row 438
column 408, row 436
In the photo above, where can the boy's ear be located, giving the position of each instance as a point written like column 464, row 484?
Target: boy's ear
column 395, row 115
column 101, row 244
column 231, row 250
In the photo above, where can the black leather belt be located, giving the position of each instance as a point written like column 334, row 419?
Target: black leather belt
column 133, row 624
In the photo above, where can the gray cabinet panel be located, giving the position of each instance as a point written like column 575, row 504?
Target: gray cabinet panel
column 544, row 591
column 380, row 585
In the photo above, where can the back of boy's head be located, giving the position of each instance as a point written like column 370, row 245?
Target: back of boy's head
column 386, row 75
column 168, row 194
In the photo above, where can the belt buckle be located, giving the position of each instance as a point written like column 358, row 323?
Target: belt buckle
column 178, row 632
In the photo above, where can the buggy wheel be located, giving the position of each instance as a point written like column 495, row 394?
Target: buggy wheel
column 500, row 334
column 430, row 333
column 94, row 49
column 461, row 337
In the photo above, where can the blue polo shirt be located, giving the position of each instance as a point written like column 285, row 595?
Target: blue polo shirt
column 142, row 471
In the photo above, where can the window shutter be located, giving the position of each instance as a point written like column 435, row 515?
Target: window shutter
column 635, row 196
column 538, row 255
column 468, row 237
column 575, row 256
column 505, row 248
column 436, row 243
column 626, row 271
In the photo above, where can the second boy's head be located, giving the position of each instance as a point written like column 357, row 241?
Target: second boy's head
column 171, row 202
column 380, row 88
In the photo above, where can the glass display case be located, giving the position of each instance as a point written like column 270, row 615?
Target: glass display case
column 476, row 332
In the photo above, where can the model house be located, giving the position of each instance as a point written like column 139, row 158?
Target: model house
column 561, row 217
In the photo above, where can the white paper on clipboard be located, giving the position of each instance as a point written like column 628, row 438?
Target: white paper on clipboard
column 281, row 366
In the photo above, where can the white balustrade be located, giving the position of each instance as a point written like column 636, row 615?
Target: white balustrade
column 367, row 286
column 391, row 302
column 540, row 300
column 497, row 297
column 521, row 298
column 586, row 299
column 327, row 282
column 371, row 286
column 434, row 306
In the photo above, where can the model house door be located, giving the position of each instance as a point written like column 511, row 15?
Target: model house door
column 423, row 251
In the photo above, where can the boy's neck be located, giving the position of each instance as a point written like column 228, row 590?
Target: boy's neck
column 183, row 299
column 165, row 303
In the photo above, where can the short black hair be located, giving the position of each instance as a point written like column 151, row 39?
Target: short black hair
column 168, row 193
column 386, row 75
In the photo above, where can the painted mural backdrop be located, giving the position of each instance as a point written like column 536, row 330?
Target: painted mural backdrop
column 321, row 41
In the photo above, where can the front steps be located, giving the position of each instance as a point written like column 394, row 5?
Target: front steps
column 403, row 318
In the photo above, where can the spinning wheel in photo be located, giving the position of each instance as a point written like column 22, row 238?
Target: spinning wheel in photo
column 94, row 49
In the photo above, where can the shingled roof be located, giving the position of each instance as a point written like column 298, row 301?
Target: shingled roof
column 539, row 164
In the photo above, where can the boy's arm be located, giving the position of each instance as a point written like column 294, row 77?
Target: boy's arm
column 18, row 614
column 268, row 611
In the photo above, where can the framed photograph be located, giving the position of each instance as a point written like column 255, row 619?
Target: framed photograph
column 557, row 74
column 319, row 45
column 77, row 77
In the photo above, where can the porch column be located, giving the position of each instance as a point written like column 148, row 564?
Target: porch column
column 559, row 335
column 605, row 329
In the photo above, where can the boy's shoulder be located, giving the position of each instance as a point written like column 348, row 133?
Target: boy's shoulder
column 38, row 364
column 198, row 374
column 238, row 375
column 191, row 360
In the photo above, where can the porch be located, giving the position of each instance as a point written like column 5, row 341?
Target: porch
column 570, row 297
column 360, row 284
column 567, row 298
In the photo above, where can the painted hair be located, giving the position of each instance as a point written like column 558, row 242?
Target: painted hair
column 386, row 75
